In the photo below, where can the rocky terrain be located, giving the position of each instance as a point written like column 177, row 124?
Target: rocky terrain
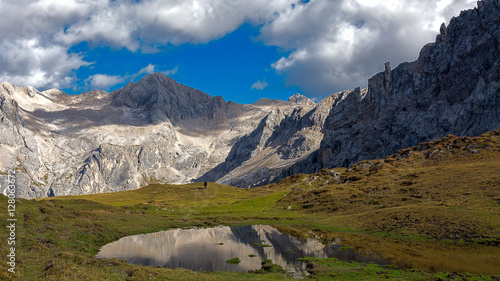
column 155, row 130
column 159, row 131
column 452, row 88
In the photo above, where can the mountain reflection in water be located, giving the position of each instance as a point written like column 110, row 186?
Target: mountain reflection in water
column 208, row 249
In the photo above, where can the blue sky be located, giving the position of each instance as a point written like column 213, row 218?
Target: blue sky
column 242, row 50
column 236, row 66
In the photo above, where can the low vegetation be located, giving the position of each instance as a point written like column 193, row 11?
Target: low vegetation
column 439, row 199
column 234, row 260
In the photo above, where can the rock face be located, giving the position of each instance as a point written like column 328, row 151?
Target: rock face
column 300, row 99
column 157, row 130
column 282, row 137
column 161, row 99
column 452, row 88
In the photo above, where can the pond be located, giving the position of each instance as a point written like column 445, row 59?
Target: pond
column 208, row 249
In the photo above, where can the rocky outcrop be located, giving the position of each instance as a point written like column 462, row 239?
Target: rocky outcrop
column 300, row 99
column 452, row 88
column 281, row 138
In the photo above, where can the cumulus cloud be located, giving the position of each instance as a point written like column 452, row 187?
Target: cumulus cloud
column 134, row 25
column 38, row 64
column 337, row 45
column 178, row 22
column 104, row 81
column 331, row 45
column 148, row 69
column 171, row 71
column 28, row 53
column 259, row 85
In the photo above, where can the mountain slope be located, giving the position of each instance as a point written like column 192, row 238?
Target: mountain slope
column 452, row 88
column 159, row 131
column 434, row 207
column 447, row 189
column 155, row 130
column 161, row 99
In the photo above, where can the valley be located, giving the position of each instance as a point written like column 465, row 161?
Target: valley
column 404, row 172
column 435, row 201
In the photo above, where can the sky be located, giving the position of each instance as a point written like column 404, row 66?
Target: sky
column 242, row 50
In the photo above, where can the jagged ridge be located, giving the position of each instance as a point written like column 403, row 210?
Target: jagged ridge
column 157, row 130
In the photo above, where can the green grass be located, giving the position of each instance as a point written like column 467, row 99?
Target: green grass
column 430, row 204
column 234, row 260
column 333, row 269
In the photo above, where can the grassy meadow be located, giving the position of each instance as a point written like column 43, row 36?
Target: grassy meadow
column 439, row 200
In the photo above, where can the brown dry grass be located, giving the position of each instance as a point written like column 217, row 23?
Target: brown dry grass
column 445, row 189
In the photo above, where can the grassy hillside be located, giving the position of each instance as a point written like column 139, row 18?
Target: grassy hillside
column 439, row 199
column 445, row 189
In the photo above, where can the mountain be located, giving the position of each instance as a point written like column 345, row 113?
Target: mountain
column 161, row 99
column 452, row 88
column 155, row 130
column 433, row 189
column 160, row 131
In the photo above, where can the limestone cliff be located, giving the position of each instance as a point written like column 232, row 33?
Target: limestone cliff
column 157, row 130
column 452, row 88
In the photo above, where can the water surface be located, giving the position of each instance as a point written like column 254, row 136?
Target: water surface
column 208, row 249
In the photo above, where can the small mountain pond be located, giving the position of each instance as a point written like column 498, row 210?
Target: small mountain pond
column 208, row 249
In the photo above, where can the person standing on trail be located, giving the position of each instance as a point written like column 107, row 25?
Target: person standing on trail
column 205, row 184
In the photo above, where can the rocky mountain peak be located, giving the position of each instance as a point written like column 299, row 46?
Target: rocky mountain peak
column 452, row 88
column 300, row 99
column 161, row 98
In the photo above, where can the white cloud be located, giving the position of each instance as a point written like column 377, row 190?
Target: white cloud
column 135, row 25
column 171, row 71
column 103, row 81
column 161, row 22
column 259, row 85
column 338, row 45
column 296, row 56
column 332, row 45
column 148, row 69
column 34, row 63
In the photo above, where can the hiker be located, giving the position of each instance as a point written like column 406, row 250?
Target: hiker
column 205, row 184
